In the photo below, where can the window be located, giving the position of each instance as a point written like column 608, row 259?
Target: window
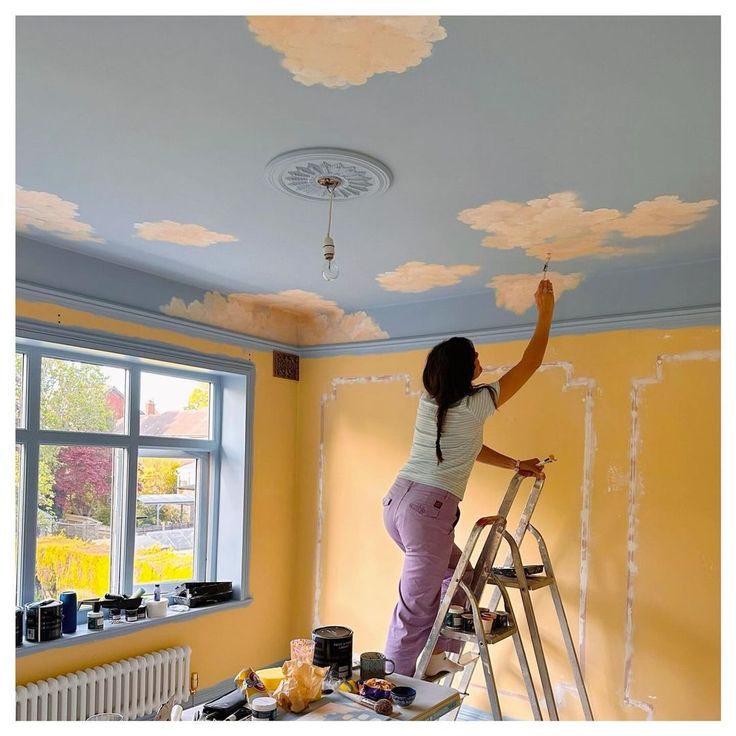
column 118, row 467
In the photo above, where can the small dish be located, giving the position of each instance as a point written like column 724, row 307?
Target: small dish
column 383, row 690
column 403, row 696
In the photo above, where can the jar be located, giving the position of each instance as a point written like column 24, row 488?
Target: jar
column 453, row 616
column 131, row 614
column 95, row 621
column 115, row 615
column 263, row 709
column 141, row 613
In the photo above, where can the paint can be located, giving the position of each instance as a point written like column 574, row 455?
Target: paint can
column 501, row 621
column 18, row 626
column 333, row 648
column 453, row 618
column 43, row 620
column 467, row 621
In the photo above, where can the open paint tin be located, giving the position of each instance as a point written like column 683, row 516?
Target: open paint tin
column 333, row 648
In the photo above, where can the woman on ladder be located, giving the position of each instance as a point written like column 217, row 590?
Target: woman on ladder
column 421, row 509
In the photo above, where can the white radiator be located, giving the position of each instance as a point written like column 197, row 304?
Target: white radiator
column 133, row 687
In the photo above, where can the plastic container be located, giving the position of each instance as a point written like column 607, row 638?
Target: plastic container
column 157, row 609
column 263, row 709
column 95, row 621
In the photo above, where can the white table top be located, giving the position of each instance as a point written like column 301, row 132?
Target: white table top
column 431, row 703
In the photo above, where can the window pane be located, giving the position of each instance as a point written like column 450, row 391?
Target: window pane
column 20, row 390
column 19, row 468
column 165, row 520
column 82, row 397
column 174, row 407
column 75, row 492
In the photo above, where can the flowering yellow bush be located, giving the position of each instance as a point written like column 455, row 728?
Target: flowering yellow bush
column 69, row 563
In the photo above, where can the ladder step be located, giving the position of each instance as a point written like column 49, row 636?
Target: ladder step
column 469, row 636
column 533, row 583
column 468, row 658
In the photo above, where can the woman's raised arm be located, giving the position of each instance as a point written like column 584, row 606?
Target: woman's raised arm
column 515, row 378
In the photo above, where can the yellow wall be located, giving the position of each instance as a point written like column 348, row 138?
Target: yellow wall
column 222, row 643
column 638, row 444
column 644, row 654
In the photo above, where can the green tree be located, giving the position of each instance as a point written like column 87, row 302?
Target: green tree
column 200, row 397
column 73, row 398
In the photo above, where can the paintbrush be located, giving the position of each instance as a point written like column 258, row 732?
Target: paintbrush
column 548, row 256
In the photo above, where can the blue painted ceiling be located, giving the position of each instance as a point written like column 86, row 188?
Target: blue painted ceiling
column 600, row 135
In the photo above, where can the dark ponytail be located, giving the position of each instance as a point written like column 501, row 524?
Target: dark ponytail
column 448, row 376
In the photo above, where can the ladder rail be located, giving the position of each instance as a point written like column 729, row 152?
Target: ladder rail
column 531, row 620
column 564, row 625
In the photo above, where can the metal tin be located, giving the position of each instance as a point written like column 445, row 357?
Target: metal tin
column 501, row 621
column 18, row 626
column 43, row 620
column 333, row 648
column 453, row 611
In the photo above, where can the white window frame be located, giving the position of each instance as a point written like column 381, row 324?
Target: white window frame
column 237, row 377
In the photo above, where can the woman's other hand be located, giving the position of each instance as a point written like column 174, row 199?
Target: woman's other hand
column 531, row 467
column 545, row 298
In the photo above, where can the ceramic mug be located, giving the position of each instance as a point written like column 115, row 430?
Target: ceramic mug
column 373, row 664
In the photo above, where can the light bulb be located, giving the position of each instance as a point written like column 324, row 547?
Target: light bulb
column 330, row 269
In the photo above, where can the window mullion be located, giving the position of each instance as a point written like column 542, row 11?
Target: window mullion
column 127, row 533
column 213, row 506
column 29, row 494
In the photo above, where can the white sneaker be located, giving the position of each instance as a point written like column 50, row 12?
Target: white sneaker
column 440, row 662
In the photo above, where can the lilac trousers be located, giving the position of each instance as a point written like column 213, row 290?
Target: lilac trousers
column 421, row 520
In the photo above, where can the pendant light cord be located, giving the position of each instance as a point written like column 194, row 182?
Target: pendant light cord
column 329, row 218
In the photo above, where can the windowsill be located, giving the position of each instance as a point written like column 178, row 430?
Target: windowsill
column 83, row 636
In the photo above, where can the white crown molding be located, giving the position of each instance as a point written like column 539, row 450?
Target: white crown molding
column 660, row 319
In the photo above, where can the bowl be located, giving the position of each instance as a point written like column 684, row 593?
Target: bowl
column 403, row 696
column 375, row 693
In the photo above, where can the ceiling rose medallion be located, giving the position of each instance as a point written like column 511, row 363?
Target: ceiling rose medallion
column 297, row 173
column 327, row 173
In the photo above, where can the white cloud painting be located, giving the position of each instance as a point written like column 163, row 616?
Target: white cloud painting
column 343, row 51
column 182, row 234
column 558, row 224
column 515, row 292
column 415, row 276
column 52, row 214
column 295, row 317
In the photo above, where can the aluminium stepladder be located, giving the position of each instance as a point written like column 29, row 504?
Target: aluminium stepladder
column 483, row 575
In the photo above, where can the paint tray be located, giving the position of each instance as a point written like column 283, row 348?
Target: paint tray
column 509, row 572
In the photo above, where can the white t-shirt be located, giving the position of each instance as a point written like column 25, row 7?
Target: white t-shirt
column 460, row 441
